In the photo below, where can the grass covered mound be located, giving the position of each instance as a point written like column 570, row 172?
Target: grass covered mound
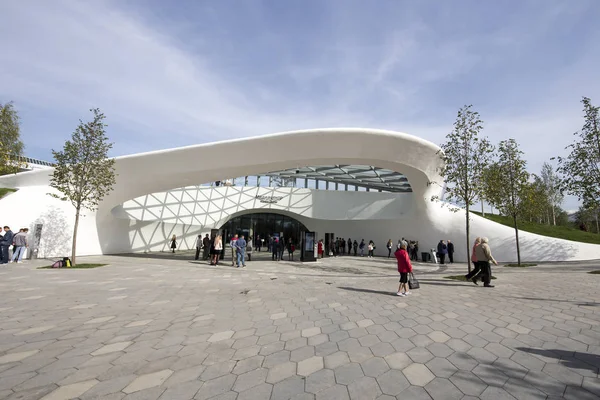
column 460, row 278
column 594, row 272
column 523, row 265
column 5, row 191
column 560, row 232
column 78, row 266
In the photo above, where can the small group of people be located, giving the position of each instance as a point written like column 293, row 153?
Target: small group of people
column 278, row 247
column 444, row 249
column 481, row 256
column 338, row 247
column 412, row 248
column 19, row 243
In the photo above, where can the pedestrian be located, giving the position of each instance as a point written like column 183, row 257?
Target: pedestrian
column 198, row 246
column 349, row 246
column 371, row 248
column 281, row 248
column 361, row 247
column 417, row 251
column 290, row 248
column 404, row 268
column 484, row 257
column 20, row 245
column 411, row 250
column 233, row 249
column 249, row 248
column 320, row 249
column 355, row 247
column 343, row 246
column 442, row 250
column 173, row 243
column 205, row 247
column 240, row 248
column 258, row 243
column 274, row 245
column 216, row 248
column 389, row 247
column 473, row 275
column 398, row 245
column 450, row 251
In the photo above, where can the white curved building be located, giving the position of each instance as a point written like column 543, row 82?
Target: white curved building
column 355, row 183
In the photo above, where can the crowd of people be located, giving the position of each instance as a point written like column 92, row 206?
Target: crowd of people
column 19, row 243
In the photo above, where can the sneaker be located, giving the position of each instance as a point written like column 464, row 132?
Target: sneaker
column 400, row 294
column 407, row 293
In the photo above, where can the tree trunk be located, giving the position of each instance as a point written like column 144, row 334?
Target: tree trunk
column 482, row 211
column 517, row 240
column 468, row 240
column 553, row 216
column 597, row 228
column 74, row 247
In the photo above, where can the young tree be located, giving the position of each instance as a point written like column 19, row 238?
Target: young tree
column 11, row 147
column 465, row 156
column 551, row 183
column 511, row 181
column 84, row 174
column 581, row 168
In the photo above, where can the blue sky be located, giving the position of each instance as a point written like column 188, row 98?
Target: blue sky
column 169, row 74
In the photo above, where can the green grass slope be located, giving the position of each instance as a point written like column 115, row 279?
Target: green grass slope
column 5, row 191
column 560, row 232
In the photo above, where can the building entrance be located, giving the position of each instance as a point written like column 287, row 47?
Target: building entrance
column 261, row 226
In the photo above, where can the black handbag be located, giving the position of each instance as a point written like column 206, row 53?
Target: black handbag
column 413, row 282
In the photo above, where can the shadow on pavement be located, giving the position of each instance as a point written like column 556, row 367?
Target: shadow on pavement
column 569, row 359
column 367, row 291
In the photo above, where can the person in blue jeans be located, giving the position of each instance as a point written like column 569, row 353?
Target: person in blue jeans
column 5, row 243
column 20, row 241
column 240, row 246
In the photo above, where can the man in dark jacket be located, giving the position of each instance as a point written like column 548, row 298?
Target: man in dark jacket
column 205, row 247
column 5, row 243
column 442, row 250
column 451, row 252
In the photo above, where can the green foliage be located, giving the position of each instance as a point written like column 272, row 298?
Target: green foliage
column 552, row 182
column 83, row 173
column 464, row 156
column 78, row 266
column 581, row 168
column 11, row 146
column 560, row 232
column 512, row 189
column 5, row 191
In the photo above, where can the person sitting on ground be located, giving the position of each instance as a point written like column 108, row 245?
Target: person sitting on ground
column 404, row 268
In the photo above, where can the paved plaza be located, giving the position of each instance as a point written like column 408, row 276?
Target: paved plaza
column 170, row 328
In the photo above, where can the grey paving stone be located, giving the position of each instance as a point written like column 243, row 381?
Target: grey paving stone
column 319, row 380
column 365, row 388
column 337, row 392
column 215, row 387
column 374, row 367
column 288, row 388
column 392, row 382
column 250, row 379
column 183, row 390
column 494, row 393
column 443, row 389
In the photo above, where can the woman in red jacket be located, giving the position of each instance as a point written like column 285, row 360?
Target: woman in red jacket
column 404, row 268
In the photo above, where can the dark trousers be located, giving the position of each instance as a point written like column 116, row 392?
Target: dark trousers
column 442, row 258
column 355, row 251
column 451, row 257
column 197, row 253
column 389, row 252
column 4, row 254
column 475, row 271
column 486, row 271
column 275, row 255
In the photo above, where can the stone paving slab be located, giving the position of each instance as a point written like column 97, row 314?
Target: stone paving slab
column 171, row 328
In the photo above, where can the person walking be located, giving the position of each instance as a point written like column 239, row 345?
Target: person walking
column 404, row 268
column 173, row 243
column 371, row 247
column 281, row 248
column 320, row 249
column 473, row 275
column 240, row 248
column 290, row 248
column 20, row 244
column 361, row 247
column 484, row 257
column 216, row 248
column 450, row 251
column 274, row 245
column 233, row 249
column 198, row 246
column 205, row 247
column 5, row 243
column 389, row 247
column 442, row 250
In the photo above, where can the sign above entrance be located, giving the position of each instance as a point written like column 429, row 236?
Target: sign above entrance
column 269, row 199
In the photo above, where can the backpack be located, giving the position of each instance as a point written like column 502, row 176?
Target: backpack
column 58, row 264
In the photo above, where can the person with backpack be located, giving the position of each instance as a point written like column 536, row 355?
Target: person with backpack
column 404, row 268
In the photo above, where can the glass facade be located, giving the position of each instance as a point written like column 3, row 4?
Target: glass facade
column 263, row 225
